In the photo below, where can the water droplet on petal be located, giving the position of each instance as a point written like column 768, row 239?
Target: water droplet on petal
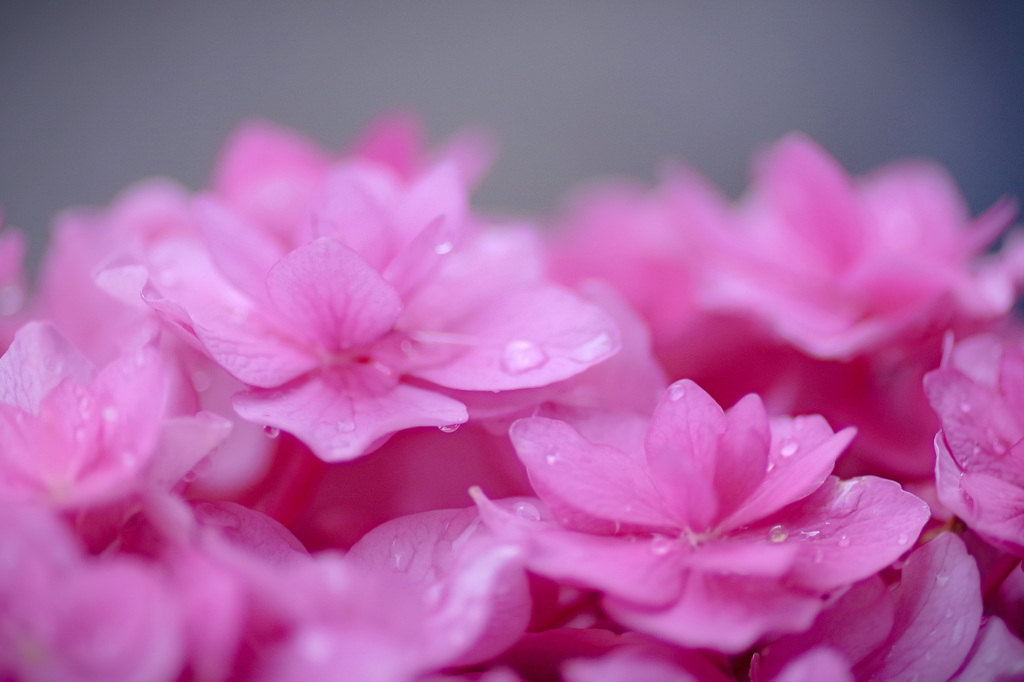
column 401, row 553
column 789, row 449
column 382, row 368
column 110, row 413
column 998, row 447
column 902, row 539
column 661, row 545
column 593, row 349
column 771, row 465
column 11, row 299
column 271, row 431
column 844, row 540
column 958, row 631
column 522, row 356
column 346, row 426
column 676, row 391
column 941, row 579
column 552, row 458
column 965, row 407
column 443, row 248
column 819, row 555
column 778, row 534
column 450, row 428
column 525, row 510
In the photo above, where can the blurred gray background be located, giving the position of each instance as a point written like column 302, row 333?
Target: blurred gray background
column 95, row 95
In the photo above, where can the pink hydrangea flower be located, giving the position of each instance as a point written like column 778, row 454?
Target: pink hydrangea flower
column 72, row 436
column 352, row 309
column 704, row 527
column 921, row 629
column 979, row 395
column 66, row 617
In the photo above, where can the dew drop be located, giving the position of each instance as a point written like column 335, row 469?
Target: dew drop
column 941, row 579
column 522, row 356
column 443, row 248
column 844, row 540
column 789, row 449
column 958, row 631
column 902, row 539
column 771, row 465
column 661, row 545
column 110, row 413
column 271, row 431
column 201, row 381
column 778, row 534
column 525, row 510
column 676, row 391
column 810, row 533
column 11, row 299
column 965, row 407
column 593, row 349
column 998, row 447
column 401, row 553
column 551, row 459
column 450, row 428
column 408, row 348
column 383, row 369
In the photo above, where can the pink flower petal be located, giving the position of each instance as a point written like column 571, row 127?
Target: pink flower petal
column 38, row 359
column 596, row 479
column 332, row 295
column 342, row 413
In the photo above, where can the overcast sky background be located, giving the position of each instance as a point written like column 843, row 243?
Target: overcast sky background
column 96, row 95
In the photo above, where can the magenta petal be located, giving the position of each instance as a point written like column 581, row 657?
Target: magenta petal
column 242, row 251
column 848, row 530
column 527, row 338
column 642, row 570
column 682, row 449
column 341, row 413
column 332, row 295
column 938, row 613
column 816, row 665
column 37, row 360
column 743, row 452
column 997, row 655
column 183, row 443
column 728, row 613
column 597, row 479
column 802, row 454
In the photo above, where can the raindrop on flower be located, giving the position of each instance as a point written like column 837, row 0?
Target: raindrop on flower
column 271, row 431
column 443, row 248
column 525, row 510
column 844, row 540
column 676, row 391
column 965, row 407
column 902, row 539
column 110, row 413
column 661, row 545
column 522, row 356
column 552, row 458
column 450, row 428
column 593, row 349
column 401, row 553
column 941, row 579
column 789, row 449
column 778, row 534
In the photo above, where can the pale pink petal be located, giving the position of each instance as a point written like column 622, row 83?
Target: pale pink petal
column 725, row 612
column 596, row 479
column 682, row 449
column 356, row 208
column 644, row 570
column 743, row 453
column 250, row 531
column 330, row 295
column 38, row 359
column 184, row 441
column 625, row 666
column 997, row 655
column 526, row 338
column 815, row 666
column 938, row 614
column 847, row 530
column 802, row 454
column 343, row 413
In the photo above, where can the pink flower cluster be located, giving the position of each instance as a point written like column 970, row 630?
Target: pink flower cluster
column 323, row 421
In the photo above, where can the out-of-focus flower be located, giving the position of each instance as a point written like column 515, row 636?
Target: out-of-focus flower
column 923, row 628
column 72, row 436
column 704, row 527
column 979, row 395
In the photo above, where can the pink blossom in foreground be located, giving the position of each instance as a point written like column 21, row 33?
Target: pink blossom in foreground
column 923, row 629
column 351, row 310
column 979, row 395
column 72, row 436
column 704, row 527
column 66, row 617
